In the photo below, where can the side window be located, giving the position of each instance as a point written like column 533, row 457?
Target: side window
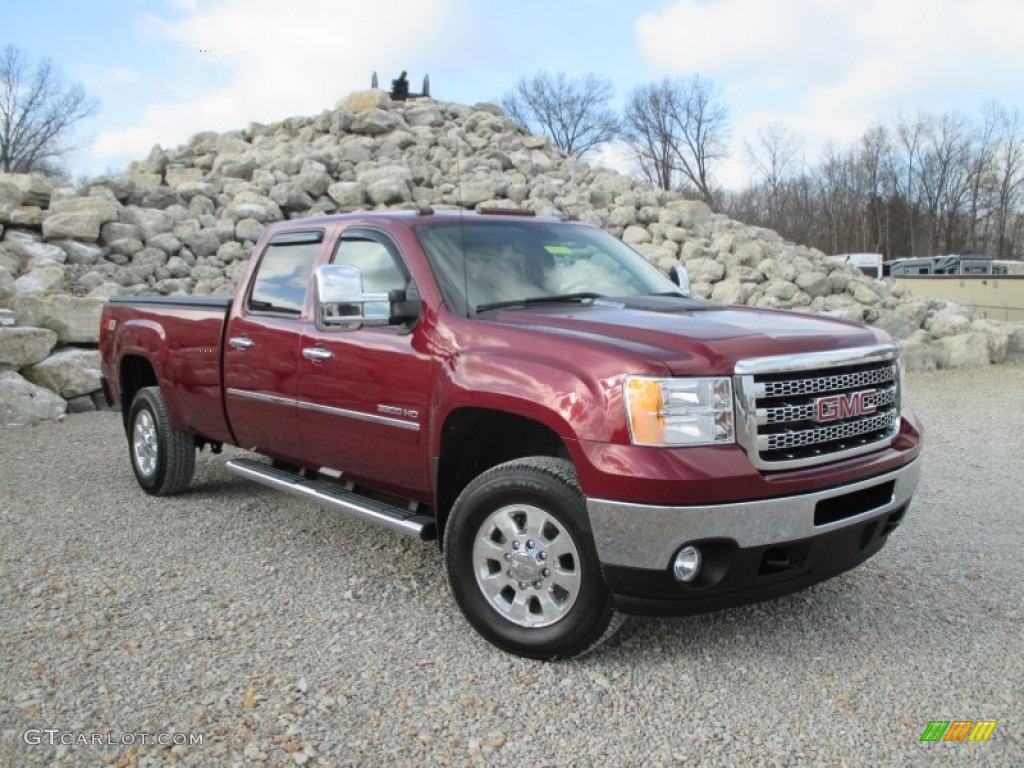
column 377, row 263
column 282, row 277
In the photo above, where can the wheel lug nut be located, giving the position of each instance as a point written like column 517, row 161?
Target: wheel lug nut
column 529, row 544
column 522, row 585
column 508, row 556
column 536, row 584
column 543, row 555
column 546, row 573
column 515, row 545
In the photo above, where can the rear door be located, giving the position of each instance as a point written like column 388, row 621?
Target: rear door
column 261, row 352
column 363, row 394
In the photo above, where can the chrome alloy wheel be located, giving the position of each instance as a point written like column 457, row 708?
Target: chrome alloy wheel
column 144, row 443
column 527, row 565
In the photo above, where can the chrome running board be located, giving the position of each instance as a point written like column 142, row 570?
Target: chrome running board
column 332, row 496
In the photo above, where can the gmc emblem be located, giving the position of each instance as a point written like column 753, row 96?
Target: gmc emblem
column 835, row 407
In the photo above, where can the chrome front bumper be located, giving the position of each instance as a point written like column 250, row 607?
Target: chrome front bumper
column 647, row 536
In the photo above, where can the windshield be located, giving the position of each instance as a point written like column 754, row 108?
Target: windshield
column 481, row 265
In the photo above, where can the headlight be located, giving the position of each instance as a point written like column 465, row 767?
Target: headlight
column 674, row 412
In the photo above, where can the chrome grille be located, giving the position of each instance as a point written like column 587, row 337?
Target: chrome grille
column 881, row 398
column 840, row 404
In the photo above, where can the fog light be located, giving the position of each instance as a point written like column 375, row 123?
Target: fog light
column 686, row 566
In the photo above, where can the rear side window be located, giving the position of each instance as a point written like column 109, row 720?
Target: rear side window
column 282, row 277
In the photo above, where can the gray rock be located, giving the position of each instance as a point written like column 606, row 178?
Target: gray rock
column 45, row 279
column 75, row 319
column 635, row 235
column 472, row 192
column 21, row 216
column 705, row 270
column 31, row 253
column 166, row 242
column 968, row 350
column 126, row 246
column 948, row 322
column 997, row 340
column 814, row 284
column 248, row 230
column 10, row 194
column 917, row 356
column 150, row 221
column 177, row 175
column 116, row 230
column 897, row 325
column 24, row 346
column 68, row 372
column 348, row 194
column 6, row 284
column 387, row 184
column 82, row 254
column 205, row 242
column 24, row 403
column 374, row 122
column 35, row 188
column 290, row 196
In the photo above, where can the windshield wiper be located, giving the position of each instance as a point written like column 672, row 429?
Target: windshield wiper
column 535, row 300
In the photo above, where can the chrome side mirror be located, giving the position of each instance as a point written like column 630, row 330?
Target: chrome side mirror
column 680, row 277
column 340, row 300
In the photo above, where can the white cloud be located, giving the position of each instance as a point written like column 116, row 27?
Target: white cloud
column 267, row 62
column 830, row 70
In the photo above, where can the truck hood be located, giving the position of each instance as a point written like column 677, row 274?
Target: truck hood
column 690, row 337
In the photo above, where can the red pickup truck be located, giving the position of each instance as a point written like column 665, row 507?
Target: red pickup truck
column 583, row 438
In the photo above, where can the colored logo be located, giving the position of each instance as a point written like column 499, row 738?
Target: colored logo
column 835, row 407
column 958, row 730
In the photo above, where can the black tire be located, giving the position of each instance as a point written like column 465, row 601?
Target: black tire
column 507, row 526
column 163, row 458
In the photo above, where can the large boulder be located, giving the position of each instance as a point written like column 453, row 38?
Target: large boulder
column 25, row 346
column 35, row 189
column 150, row 221
column 21, row 216
column 43, row 279
column 75, row 319
column 23, row 403
column 968, row 350
column 69, row 372
column 364, row 101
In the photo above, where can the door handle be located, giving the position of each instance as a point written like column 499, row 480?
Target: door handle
column 241, row 342
column 317, row 353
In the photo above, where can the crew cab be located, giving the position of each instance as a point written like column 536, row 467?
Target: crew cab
column 582, row 437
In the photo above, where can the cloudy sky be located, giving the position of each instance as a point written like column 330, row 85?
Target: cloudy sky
column 165, row 69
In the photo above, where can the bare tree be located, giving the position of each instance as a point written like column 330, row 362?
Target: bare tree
column 774, row 156
column 37, row 113
column 678, row 130
column 1008, row 197
column 574, row 113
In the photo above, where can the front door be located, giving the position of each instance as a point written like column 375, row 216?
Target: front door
column 363, row 395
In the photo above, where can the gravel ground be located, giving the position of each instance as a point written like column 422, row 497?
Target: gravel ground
column 282, row 634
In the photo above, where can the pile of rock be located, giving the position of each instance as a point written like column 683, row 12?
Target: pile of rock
column 183, row 221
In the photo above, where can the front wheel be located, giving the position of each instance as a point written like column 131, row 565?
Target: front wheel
column 522, row 564
column 163, row 458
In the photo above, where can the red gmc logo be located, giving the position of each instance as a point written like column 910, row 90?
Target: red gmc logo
column 835, row 407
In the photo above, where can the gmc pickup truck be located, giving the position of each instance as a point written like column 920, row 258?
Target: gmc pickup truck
column 582, row 437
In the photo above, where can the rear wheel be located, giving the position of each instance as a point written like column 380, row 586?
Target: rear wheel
column 522, row 564
column 163, row 458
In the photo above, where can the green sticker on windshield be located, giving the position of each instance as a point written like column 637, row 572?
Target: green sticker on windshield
column 557, row 249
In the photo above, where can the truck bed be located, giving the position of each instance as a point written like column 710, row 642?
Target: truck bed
column 181, row 339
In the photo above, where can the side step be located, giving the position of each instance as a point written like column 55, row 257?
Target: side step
column 330, row 495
